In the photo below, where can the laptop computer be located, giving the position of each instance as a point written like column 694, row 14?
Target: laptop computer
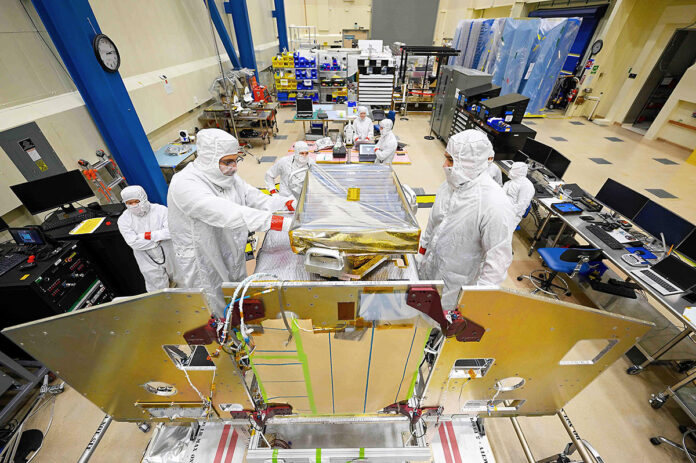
column 367, row 152
column 668, row 276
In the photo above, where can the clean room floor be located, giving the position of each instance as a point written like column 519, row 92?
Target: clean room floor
column 612, row 413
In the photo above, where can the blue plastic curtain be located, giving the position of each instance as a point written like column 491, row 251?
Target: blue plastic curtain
column 524, row 55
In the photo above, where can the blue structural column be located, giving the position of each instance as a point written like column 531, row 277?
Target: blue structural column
column 222, row 33
column 72, row 27
column 242, row 30
column 279, row 14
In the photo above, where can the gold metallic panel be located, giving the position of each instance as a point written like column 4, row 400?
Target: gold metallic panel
column 324, row 369
column 544, row 353
column 110, row 352
column 319, row 300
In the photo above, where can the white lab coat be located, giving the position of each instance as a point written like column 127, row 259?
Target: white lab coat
column 210, row 217
column 363, row 129
column 467, row 240
column 519, row 190
column 155, row 256
column 386, row 148
column 292, row 175
column 495, row 173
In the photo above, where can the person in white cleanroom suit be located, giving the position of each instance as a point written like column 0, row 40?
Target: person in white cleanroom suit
column 292, row 171
column 211, row 212
column 363, row 130
column 519, row 190
column 386, row 146
column 467, row 241
column 494, row 171
column 144, row 227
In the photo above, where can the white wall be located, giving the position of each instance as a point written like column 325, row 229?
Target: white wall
column 330, row 16
column 170, row 37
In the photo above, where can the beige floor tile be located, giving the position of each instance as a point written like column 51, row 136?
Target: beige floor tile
column 612, row 412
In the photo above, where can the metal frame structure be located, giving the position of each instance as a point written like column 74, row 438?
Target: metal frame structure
column 242, row 30
column 185, row 368
column 279, row 14
column 25, row 386
column 302, row 37
column 222, row 33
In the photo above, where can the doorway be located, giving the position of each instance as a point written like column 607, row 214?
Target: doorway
column 678, row 56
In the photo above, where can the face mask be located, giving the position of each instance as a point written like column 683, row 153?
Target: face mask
column 490, row 161
column 228, row 170
column 301, row 160
column 454, row 178
column 137, row 209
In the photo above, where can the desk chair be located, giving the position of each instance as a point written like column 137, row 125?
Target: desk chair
column 526, row 213
column 571, row 261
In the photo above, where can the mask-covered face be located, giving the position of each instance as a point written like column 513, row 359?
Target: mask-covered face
column 454, row 177
column 301, row 158
column 228, row 170
column 212, row 145
column 129, row 193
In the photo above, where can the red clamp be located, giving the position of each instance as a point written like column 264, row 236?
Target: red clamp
column 289, row 205
column 273, row 191
column 421, row 250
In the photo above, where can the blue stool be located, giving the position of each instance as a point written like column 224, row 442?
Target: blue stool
column 571, row 261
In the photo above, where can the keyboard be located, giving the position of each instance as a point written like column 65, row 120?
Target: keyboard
column 616, row 290
column 604, row 237
column 10, row 261
column 52, row 225
column 660, row 282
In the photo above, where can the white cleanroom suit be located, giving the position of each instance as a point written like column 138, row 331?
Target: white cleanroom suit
column 292, row 171
column 467, row 240
column 145, row 229
column 363, row 130
column 211, row 214
column 519, row 190
column 387, row 144
column 495, row 173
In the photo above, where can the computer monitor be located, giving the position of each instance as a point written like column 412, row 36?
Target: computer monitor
column 687, row 247
column 536, row 150
column 654, row 219
column 621, row 198
column 27, row 236
column 520, row 157
column 557, row 163
column 680, row 273
column 304, row 106
column 52, row 192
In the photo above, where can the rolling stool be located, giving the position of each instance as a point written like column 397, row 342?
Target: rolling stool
column 570, row 261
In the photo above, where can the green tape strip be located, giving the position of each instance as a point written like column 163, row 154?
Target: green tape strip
column 318, row 456
column 361, row 454
column 412, row 387
column 275, row 456
column 302, row 357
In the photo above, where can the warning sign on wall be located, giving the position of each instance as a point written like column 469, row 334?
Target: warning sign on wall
column 30, row 148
